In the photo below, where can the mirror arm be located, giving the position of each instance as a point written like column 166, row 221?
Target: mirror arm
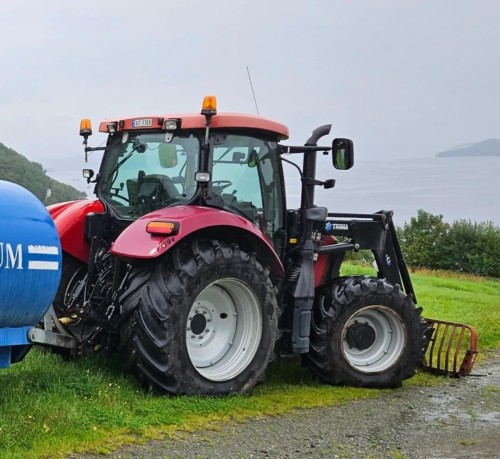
column 302, row 149
column 94, row 148
column 87, row 149
column 330, row 183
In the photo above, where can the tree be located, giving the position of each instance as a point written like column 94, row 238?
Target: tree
column 422, row 239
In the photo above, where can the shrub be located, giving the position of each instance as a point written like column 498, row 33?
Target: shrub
column 473, row 248
column 463, row 246
column 422, row 238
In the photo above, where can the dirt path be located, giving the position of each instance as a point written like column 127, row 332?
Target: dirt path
column 460, row 419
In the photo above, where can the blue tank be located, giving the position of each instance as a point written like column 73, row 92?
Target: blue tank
column 30, row 265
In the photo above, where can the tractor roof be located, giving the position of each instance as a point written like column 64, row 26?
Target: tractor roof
column 197, row 121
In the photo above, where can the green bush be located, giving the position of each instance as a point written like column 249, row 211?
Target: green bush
column 473, row 248
column 464, row 246
column 422, row 238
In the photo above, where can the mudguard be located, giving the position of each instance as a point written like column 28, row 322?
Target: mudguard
column 69, row 218
column 136, row 243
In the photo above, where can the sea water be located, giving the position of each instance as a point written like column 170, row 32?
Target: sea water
column 458, row 188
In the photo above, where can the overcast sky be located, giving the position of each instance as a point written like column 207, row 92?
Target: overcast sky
column 401, row 78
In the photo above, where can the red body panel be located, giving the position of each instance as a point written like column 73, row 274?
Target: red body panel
column 135, row 242
column 321, row 264
column 69, row 218
column 196, row 121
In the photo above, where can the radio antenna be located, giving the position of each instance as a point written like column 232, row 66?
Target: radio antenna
column 253, row 92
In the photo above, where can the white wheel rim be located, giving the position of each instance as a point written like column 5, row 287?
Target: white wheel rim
column 224, row 329
column 373, row 339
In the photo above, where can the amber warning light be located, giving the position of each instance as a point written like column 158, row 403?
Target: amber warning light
column 162, row 228
column 85, row 127
column 209, row 106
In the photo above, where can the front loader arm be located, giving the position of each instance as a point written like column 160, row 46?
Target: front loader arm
column 375, row 232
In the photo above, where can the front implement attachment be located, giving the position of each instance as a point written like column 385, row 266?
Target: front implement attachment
column 452, row 348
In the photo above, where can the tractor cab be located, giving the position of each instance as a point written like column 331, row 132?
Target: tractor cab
column 229, row 162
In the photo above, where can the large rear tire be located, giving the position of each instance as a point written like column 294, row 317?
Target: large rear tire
column 203, row 321
column 365, row 332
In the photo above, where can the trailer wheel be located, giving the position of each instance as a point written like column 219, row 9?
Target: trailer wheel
column 365, row 332
column 203, row 321
column 69, row 296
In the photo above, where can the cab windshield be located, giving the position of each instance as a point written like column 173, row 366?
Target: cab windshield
column 142, row 172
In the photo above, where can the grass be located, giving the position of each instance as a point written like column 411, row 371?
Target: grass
column 50, row 407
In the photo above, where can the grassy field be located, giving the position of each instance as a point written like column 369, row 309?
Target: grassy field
column 50, row 407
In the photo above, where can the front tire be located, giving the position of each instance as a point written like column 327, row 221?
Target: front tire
column 365, row 332
column 202, row 321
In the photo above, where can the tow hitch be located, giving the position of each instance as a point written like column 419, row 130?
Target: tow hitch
column 452, row 348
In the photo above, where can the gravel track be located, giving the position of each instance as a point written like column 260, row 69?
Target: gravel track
column 459, row 419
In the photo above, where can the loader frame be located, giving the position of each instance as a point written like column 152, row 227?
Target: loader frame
column 452, row 346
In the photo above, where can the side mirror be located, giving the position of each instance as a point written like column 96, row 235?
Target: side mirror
column 342, row 154
column 88, row 174
column 168, row 155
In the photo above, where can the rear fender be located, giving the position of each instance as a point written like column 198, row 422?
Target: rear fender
column 69, row 218
column 135, row 243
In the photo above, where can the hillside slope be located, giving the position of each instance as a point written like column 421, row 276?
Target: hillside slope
column 16, row 168
column 490, row 147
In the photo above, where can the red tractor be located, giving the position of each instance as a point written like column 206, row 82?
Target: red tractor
column 191, row 266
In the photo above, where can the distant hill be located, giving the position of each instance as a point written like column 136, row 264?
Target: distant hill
column 16, row 168
column 490, row 147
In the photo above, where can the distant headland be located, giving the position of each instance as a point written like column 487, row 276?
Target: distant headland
column 490, row 147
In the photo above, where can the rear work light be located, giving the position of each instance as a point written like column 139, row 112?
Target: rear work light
column 202, row 177
column 172, row 124
column 111, row 128
column 162, row 228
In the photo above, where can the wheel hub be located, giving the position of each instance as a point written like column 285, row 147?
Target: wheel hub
column 198, row 324
column 360, row 336
column 201, row 327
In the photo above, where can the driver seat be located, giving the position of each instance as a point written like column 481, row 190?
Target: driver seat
column 156, row 190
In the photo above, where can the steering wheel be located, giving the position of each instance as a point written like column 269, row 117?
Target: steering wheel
column 221, row 185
